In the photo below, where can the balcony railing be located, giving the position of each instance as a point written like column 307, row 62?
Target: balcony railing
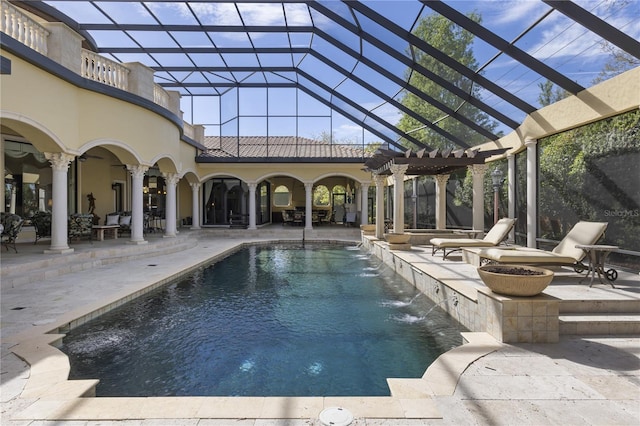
column 160, row 96
column 19, row 26
column 98, row 68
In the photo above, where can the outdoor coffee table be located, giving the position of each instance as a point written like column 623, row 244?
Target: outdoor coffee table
column 597, row 255
column 99, row 230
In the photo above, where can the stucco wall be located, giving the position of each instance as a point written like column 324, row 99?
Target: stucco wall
column 609, row 98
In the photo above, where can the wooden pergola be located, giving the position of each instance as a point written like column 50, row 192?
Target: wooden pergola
column 423, row 163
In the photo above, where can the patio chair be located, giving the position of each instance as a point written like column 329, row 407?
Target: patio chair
column 298, row 217
column 350, row 219
column 496, row 235
column 41, row 221
column 11, row 227
column 79, row 225
column 564, row 254
column 287, row 217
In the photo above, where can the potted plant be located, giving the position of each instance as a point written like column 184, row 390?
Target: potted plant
column 515, row 280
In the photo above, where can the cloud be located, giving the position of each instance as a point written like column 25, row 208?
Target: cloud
column 505, row 13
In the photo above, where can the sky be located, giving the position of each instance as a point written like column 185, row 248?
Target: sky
column 557, row 41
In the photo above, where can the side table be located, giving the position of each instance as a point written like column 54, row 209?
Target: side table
column 597, row 255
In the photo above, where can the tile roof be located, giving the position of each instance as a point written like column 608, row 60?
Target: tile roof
column 276, row 147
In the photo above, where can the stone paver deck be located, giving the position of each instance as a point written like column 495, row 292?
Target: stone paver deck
column 580, row 380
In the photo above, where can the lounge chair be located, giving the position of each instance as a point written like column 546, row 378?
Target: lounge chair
column 564, row 254
column 497, row 234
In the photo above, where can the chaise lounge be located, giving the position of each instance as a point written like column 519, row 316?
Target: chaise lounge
column 496, row 235
column 564, row 254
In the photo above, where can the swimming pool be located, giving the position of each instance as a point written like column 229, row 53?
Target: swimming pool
column 267, row 321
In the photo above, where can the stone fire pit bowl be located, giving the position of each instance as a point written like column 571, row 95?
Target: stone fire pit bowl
column 396, row 238
column 369, row 229
column 515, row 280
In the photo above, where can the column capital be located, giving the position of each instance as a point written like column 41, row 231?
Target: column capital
column 252, row 186
column 171, row 178
column 308, row 186
column 442, row 179
column 59, row 160
column 530, row 142
column 379, row 180
column 137, row 170
column 478, row 169
column 399, row 169
column 195, row 186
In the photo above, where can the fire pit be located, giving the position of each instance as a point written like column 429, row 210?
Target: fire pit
column 515, row 280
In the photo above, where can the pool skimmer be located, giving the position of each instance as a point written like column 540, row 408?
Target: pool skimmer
column 336, row 416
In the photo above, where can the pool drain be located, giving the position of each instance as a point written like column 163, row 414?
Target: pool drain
column 336, row 416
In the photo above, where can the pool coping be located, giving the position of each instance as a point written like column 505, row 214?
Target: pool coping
column 54, row 397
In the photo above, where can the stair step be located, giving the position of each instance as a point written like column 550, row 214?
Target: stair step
column 600, row 323
column 599, row 306
column 75, row 262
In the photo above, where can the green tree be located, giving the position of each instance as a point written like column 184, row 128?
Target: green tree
column 455, row 42
column 549, row 93
column 588, row 174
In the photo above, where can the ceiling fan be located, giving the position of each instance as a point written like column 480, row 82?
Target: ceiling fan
column 85, row 156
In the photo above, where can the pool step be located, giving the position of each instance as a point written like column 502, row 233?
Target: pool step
column 610, row 324
column 57, row 265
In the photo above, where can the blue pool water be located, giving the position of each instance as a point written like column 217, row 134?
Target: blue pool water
column 267, row 321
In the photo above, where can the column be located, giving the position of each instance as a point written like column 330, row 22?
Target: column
column 441, row 201
column 171, row 179
column 379, row 181
column 478, row 171
column 195, row 206
column 414, row 201
column 511, row 191
column 308, row 210
column 364, row 204
column 59, row 214
column 137, row 215
column 398, row 171
column 252, row 205
column 14, row 192
column 532, row 191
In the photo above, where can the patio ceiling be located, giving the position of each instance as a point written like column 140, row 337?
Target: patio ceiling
column 327, row 48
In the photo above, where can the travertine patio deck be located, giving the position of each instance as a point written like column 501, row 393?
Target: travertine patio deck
column 580, row 380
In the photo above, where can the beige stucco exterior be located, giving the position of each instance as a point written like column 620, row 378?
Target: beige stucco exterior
column 611, row 97
column 57, row 116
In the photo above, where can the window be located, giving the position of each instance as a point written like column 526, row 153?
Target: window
column 281, row 196
column 321, row 196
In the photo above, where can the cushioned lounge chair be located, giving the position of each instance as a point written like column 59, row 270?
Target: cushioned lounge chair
column 564, row 254
column 497, row 234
